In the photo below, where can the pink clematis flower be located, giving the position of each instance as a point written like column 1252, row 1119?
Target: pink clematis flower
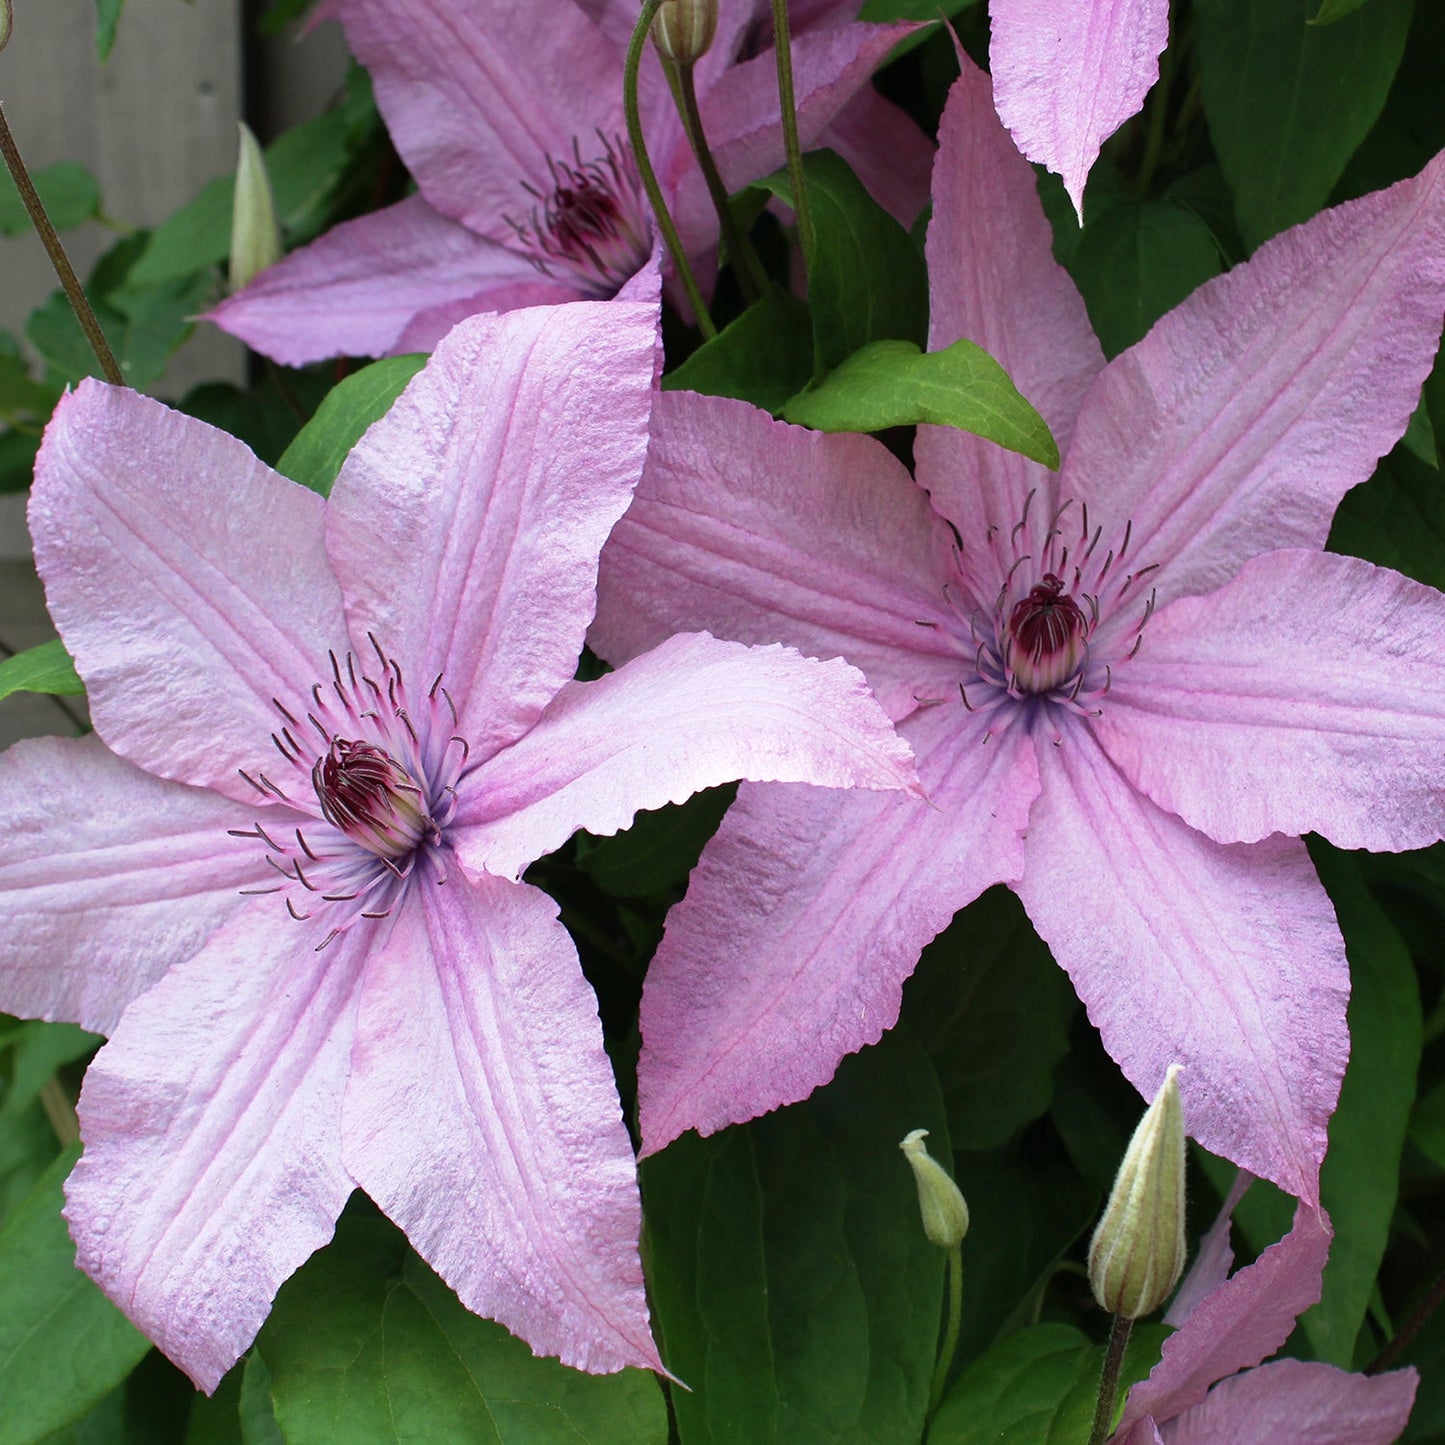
column 1129, row 685
column 1068, row 73
column 283, row 876
column 1237, row 1321
column 509, row 115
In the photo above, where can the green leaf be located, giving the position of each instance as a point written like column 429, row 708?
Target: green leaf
column 40, row 1049
column 793, row 1287
column 315, row 457
column 63, row 1345
column 764, row 356
column 892, row 383
column 366, row 1344
column 1396, row 519
column 1332, row 10
column 46, row 668
column 658, row 851
column 1288, row 102
column 69, row 193
column 107, row 17
column 1427, row 1125
column 17, row 460
column 867, row 281
column 1135, row 262
column 23, row 399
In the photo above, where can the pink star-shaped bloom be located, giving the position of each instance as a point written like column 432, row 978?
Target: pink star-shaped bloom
column 509, row 115
column 1129, row 685
column 1068, row 73
column 283, row 875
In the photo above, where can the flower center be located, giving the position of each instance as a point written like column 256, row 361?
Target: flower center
column 1047, row 637
column 366, row 793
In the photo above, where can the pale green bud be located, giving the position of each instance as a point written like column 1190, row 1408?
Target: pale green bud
column 7, row 17
column 1137, row 1253
column 683, row 29
column 255, row 236
column 945, row 1215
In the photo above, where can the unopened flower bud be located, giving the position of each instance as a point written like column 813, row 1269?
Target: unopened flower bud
column 1137, row 1253
column 6, row 19
column 945, row 1215
column 255, row 236
column 683, row 29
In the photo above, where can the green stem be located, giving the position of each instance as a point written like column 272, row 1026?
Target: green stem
column 74, row 292
column 739, row 248
column 784, row 49
column 59, row 1111
column 646, row 173
column 950, row 1334
column 1109, row 1379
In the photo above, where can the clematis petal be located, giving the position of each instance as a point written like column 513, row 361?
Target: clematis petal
column 482, row 1116
column 1308, row 695
column 805, row 915
column 465, row 525
column 359, row 289
column 692, row 713
column 1069, row 73
column 1299, row 1400
column 212, row 1130
column 108, row 876
column 993, row 280
column 477, row 98
column 1212, row 1261
column 1237, row 424
column 762, row 532
column 1227, row 960
column 188, row 580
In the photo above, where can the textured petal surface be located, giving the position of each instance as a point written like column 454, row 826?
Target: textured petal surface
column 108, row 876
column 477, row 97
column 1299, row 1400
column 692, row 713
column 993, row 280
column 188, row 579
column 466, row 524
column 805, row 915
column 519, row 1187
column 1227, row 960
column 212, row 1129
column 762, row 532
column 358, row 290
column 1069, row 73
column 1237, row 424
column 1308, row 695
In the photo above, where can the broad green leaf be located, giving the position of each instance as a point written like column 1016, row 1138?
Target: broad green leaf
column 63, row 1345
column 46, row 668
column 68, row 192
column 867, row 280
column 107, row 17
column 993, row 1009
column 17, row 459
column 255, row 1413
column 892, row 383
column 793, row 1288
column 1427, row 1125
column 39, row 1049
column 658, row 851
column 1332, row 10
column 1289, row 102
column 23, row 399
column 764, row 356
column 1396, row 519
column 366, row 1345
column 1137, row 261
column 315, row 457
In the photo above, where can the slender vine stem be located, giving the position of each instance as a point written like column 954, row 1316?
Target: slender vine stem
column 70, row 283
column 648, row 176
column 784, row 49
column 950, row 1333
column 1109, row 1379
column 1406, row 1335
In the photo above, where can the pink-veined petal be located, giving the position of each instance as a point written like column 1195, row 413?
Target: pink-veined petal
column 108, row 876
column 994, row 281
column 212, row 1130
column 188, row 579
column 482, row 1116
column 359, row 289
column 1226, row 959
column 692, row 713
column 1299, row 1400
column 762, row 532
column 805, row 915
column 1069, row 73
column 1308, row 695
column 1237, row 424
column 466, row 524
column 478, row 97
column 1212, row 1260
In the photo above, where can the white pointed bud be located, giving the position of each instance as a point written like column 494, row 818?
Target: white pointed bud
column 1137, row 1253
column 945, row 1215
column 683, row 29
column 255, row 236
